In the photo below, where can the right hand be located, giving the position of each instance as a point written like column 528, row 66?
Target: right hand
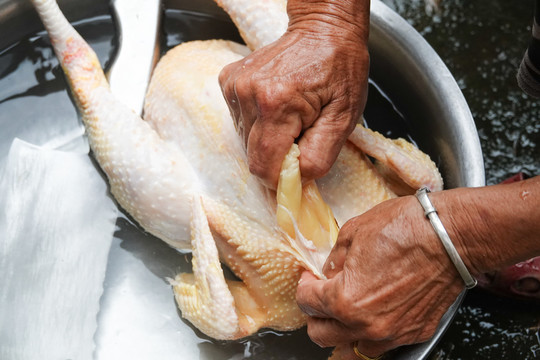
column 389, row 279
column 389, row 282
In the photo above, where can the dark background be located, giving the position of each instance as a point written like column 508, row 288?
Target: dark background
column 482, row 43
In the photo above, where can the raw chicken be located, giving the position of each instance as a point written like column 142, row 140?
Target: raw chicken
column 182, row 174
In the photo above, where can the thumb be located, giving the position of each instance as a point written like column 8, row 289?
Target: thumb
column 336, row 259
column 310, row 294
column 321, row 143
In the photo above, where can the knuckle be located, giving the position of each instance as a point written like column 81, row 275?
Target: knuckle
column 350, row 230
column 344, row 306
column 256, row 167
column 228, row 91
column 229, row 74
column 348, row 227
column 265, row 146
column 343, row 127
column 347, row 126
column 314, row 167
column 317, row 337
column 227, row 88
column 267, row 98
column 224, row 75
column 242, row 87
column 378, row 330
column 260, row 167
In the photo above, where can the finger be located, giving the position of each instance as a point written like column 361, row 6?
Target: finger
column 329, row 332
column 336, row 259
column 309, row 294
column 236, row 87
column 268, row 143
column 321, row 143
column 226, row 82
column 344, row 352
column 247, row 107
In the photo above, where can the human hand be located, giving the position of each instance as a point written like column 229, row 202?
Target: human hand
column 310, row 86
column 389, row 282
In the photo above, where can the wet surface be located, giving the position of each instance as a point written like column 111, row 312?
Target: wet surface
column 33, row 102
column 482, row 42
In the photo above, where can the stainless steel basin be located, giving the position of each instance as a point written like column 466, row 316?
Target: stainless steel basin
column 138, row 317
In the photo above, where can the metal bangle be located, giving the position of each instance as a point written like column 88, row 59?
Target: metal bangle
column 431, row 213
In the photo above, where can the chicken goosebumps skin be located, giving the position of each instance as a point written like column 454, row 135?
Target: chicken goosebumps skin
column 281, row 93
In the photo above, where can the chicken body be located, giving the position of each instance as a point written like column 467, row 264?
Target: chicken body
column 183, row 176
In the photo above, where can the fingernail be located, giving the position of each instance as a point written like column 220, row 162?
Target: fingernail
column 307, row 310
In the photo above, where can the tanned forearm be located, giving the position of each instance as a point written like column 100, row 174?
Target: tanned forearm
column 389, row 279
column 347, row 18
column 494, row 226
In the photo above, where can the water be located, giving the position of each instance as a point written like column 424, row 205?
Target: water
column 33, row 102
column 482, row 42
column 487, row 41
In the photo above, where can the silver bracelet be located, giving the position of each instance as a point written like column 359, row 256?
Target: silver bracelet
column 431, row 213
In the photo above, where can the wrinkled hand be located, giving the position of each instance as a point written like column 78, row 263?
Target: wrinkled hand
column 390, row 282
column 309, row 86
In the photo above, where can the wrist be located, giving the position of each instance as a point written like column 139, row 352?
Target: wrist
column 463, row 227
column 431, row 213
column 493, row 226
column 348, row 19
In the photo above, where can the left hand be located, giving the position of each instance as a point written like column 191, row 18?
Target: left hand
column 309, row 86
column 389, row 282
